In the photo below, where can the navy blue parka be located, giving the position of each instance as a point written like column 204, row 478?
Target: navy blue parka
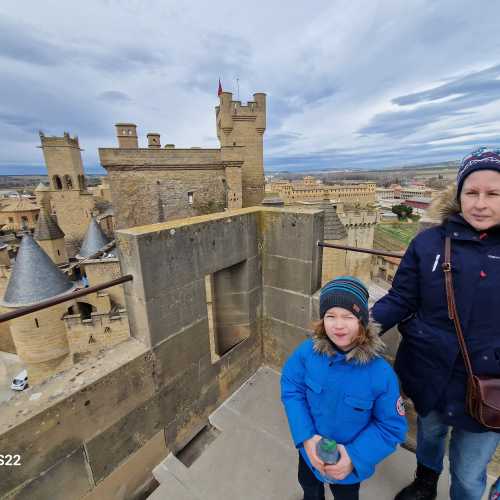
column 428, row 362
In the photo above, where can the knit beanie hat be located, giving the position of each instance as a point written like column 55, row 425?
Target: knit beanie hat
column 347, row 292
column 480, row 159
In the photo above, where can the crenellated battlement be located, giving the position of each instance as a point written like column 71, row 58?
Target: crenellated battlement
column 55, row 141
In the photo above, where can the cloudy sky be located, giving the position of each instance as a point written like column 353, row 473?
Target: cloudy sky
column 350, row 84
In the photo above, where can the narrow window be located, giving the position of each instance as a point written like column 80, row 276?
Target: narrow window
column 190, row 197
column 36, row 323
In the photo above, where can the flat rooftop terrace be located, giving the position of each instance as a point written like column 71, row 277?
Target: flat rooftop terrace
column 253, row 458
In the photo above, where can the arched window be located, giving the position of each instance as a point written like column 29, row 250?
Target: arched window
column 85, row 309
column 68, row 183
column 56, row 180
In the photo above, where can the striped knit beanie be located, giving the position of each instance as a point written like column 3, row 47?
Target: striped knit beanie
column 480, row 159
column 347, row 292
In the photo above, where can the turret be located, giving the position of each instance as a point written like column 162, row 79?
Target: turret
column 40, row 337
column 50, row 237
column 127, row 135
column 154, row 140
column 244, row 125
column 94, row 240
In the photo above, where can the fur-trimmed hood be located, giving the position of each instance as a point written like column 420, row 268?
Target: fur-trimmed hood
column 445, row 204
column 362, row 353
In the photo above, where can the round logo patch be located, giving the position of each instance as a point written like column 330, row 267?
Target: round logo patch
column 400, row 406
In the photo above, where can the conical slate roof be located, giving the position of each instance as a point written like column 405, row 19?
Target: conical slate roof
column 34, row 276
column 334, row 229
column 47, row 228
column 94, row 240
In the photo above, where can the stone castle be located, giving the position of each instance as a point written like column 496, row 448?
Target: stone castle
column 212, row 298
column 156, row 184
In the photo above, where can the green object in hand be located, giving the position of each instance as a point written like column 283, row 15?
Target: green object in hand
column 326, row 449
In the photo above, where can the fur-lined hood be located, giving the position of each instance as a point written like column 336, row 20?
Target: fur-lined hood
column 445, row 204
column 362, row 353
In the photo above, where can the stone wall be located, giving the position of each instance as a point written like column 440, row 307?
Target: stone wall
column 101, row 270
column 73, row 210
column 98, row 332
column 158, row 185
column 96, row 430
column 291, row 263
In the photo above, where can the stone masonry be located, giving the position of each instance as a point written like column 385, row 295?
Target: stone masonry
column 98, row 429
column 70, row 202
column 155, row 184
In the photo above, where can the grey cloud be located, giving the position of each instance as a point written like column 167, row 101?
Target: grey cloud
column 20, row 42
column 26, row 43
column 466, row 94
column 218, row 56
column 114, row 96
column 485, row 84
column 26, row 123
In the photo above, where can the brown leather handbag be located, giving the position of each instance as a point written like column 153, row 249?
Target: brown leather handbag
column 483, row 393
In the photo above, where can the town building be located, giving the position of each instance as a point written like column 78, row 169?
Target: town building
column 311, row 189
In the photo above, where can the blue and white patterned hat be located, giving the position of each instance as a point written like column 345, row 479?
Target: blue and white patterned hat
column 480, row 159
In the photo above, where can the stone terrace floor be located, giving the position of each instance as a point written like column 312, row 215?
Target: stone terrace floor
column 253, row 458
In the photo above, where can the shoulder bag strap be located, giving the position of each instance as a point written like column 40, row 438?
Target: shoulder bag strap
column 452, row 308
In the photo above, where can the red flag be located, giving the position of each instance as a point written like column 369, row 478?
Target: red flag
column 219, row 91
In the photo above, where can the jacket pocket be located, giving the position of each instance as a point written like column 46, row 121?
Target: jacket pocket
column 314, row 386
column 356, row 409
column 315, row 397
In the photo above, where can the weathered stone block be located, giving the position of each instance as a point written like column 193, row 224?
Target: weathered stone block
column 67, row 479
column 175, row 309
column 112, row 446
column 291, row 307
column 181, row 352
column 292, row 234
column 280, row 340
column 291, row 274
column 49, row 436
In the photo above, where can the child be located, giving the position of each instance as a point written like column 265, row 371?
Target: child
column 337, row 386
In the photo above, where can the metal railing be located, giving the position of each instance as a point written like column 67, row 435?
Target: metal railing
column 383, row 253
column 22, row 311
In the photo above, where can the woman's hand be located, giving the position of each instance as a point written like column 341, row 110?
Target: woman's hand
column 310, row 447
column 342, row 468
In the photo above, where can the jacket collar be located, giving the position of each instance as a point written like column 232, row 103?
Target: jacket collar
column 361, row 354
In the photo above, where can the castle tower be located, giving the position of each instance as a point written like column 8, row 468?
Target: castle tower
column 70, row 202
column 100, row 269
column 126, row 134
column 40, row 338
column 64, row 162
column 239, row 125
column 50, row 237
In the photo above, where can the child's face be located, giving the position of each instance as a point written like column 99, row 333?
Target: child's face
column 341, row 326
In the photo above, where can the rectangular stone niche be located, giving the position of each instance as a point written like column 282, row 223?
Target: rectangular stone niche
column 228, row 306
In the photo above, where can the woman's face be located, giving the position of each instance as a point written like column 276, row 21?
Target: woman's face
column 341, row 326
column 480, row 199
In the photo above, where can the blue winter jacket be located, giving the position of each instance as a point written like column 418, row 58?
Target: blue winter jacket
column 429, row 363
column 351, row 398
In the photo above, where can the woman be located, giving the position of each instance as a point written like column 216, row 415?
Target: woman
column 429, row 362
